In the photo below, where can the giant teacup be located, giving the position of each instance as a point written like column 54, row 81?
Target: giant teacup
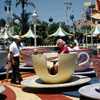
column 3, row 56
column 83, row 57
column 67, row 63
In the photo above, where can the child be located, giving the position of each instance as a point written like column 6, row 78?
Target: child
column 35, row 51
column 40, row 52
column 8, row 66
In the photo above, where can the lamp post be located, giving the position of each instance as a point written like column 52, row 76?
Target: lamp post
column 8, row 9
column 86, row 35
column 34, row 15
column 68, row 6
column 72, row 18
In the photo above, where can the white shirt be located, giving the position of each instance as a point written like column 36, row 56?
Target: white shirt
column 76, row 42
column 76, row 48
column 15, row 49
column 69, row 48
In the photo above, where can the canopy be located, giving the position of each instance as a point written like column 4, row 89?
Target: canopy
column 96, row 16
column 60, row 32
column 94, row 32
column 29, row 34
column 6, row 35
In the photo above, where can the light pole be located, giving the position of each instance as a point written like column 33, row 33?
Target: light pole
column 72, row 18
column 8, row 9
column 34, row 15
column 68, row 6
column 86, row 35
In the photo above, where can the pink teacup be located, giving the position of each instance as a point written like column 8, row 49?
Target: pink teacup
column 96, row 65
column 28, row 60
column 83, row 57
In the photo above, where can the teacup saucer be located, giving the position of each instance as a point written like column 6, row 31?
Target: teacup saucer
column 24, row 66
column 90, row 91
column 3, row 73
column 35, row 82
column 90, row 70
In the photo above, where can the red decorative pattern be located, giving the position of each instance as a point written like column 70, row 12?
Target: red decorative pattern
column 9, row 94
column 98, row 4
column 96, row 65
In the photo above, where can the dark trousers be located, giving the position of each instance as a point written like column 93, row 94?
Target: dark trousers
column 15, row 71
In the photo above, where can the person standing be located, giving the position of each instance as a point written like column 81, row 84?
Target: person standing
column 76, row 41
column 8, row 66
column 14, row 54
column 74, row 46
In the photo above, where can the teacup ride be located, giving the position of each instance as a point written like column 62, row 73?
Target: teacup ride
column 67, row 64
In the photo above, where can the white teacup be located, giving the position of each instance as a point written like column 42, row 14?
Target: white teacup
column 67, row 63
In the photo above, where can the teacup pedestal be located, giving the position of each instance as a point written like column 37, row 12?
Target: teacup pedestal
column 36, row 82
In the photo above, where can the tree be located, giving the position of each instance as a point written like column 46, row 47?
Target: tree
column 51, row 29
column 17, row 24
column 2, row 23
column 88, row 12
column 23, row 3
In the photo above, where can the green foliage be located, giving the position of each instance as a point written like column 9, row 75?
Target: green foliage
column 52, row 28
column 23, row 15
column 2, row 23
column 18, row 26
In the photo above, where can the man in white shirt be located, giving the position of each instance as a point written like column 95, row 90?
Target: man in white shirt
column 14, row 54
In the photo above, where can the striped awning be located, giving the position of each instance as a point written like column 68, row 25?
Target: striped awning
column 6, row 35
column 29, row 34
column 94, row 32
column 60, row 32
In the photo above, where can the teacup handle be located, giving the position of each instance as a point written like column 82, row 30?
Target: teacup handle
column 85, row 60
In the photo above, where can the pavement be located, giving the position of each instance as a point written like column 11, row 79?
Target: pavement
column 20, row 92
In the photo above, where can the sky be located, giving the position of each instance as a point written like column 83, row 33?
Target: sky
column 49, row 8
